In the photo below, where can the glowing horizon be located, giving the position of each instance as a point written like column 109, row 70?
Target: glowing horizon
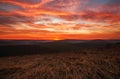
column 59, row 19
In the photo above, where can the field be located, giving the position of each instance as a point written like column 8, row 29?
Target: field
column 85, row 63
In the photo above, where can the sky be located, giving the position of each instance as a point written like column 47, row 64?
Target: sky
column 59, row 19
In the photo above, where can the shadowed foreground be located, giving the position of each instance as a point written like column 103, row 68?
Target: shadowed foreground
column 60, row 60
column 61, row 66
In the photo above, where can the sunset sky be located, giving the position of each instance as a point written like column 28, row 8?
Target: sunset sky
column 59, row 19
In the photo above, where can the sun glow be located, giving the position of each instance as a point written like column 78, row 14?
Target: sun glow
column 56, row 39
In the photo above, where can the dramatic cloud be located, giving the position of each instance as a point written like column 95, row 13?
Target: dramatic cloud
column 63, row 19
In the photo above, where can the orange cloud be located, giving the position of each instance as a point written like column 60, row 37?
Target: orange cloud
column 60, row 36
column 32, row 13
column 60, row 19
column 24, row 5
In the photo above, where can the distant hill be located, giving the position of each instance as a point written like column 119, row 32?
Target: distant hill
column 23, row 47
column 36, row 42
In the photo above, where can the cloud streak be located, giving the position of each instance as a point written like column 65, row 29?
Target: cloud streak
column 81, row 19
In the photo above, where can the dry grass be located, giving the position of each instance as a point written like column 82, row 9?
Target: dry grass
column 61, row 66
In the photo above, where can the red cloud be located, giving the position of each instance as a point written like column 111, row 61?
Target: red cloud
column 67, row 16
